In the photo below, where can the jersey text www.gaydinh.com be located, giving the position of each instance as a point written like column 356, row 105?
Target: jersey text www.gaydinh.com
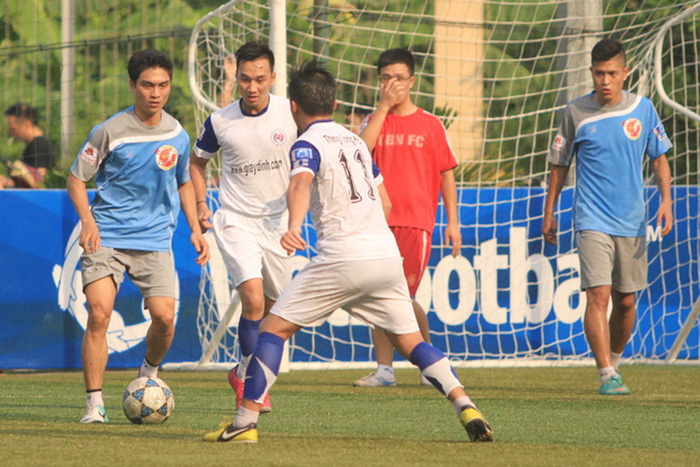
column 252, row 169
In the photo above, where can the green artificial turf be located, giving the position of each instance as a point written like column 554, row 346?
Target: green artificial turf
column 540, row 416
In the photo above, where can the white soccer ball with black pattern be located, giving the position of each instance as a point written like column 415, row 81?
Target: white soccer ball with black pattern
column 148, row 400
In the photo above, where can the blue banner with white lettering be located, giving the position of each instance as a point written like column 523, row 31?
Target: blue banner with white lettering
column 507, row 294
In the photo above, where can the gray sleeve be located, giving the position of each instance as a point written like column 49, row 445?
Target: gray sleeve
column 91, row 154
column 562, row 150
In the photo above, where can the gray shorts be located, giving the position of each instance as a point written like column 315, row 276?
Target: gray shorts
column 610, row 260
column 153, row 272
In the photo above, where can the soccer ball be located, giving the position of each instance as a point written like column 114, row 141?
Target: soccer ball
column 148, row 400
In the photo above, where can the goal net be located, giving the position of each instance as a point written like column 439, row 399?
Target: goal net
column 497, row 72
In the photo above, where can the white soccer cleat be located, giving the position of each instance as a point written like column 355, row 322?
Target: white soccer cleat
column 376, row 379
column 95, row 414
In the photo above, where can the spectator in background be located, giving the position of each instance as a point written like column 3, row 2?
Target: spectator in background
column 411, row 149
column 37, row 158
column 354, row 118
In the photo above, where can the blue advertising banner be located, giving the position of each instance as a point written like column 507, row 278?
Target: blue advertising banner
column 42, row 308
column 507, row 293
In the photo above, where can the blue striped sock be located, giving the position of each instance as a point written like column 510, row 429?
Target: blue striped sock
column 263, row 367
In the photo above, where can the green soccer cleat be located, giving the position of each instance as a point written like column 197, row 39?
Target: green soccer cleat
column 613, row 386
column 227, row 433
column 475, row 424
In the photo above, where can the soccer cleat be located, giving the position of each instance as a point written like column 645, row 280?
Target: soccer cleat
column 476, row 426
column 239, row 386
column 613, row 386
column 266, row 406
column 236, row 384
column 227, row 433
column 375, row 380
column 95, row 414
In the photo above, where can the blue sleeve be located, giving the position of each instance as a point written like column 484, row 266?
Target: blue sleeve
column 375, row 170
column 304, row 156
column 658, row 142
column 207, row 140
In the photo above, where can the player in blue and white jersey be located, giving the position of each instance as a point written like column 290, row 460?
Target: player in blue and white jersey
column 358, row 266
column 140, row 159
column 609, row 131
column 254, row 135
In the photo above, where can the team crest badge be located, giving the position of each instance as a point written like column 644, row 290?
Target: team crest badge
column 89, row 153
column 558, row 143
column 632, row 128
column 166, row 157
column 278, row 137
column 660, row 132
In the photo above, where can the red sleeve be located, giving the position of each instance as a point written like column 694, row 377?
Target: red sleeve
column 445, row 154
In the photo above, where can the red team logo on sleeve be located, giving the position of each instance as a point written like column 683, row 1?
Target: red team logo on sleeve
column 632, row 128
column 558, row 143
column 89, row 154
column 166, row 157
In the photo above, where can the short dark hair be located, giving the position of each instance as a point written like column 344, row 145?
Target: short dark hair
column 253, row 51
column 313, row 88
column 607, row 49
column 23, row 111
column 397, row 55
column 148, row 58
column 361, row 111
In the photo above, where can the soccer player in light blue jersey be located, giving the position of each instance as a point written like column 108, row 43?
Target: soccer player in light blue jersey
column 140, row 159
column 609, row 131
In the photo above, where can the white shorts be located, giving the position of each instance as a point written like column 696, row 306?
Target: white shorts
column 374, row 291
column 251, row 249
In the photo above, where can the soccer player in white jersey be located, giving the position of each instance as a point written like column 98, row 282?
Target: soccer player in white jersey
column 358, row 266
column 254, row 135
column 609, row 131
column 140, row 159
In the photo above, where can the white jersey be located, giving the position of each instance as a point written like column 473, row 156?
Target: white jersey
column 345, row 206
column 254, row 156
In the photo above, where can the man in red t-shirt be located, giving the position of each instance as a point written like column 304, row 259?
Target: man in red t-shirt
column 411, row 149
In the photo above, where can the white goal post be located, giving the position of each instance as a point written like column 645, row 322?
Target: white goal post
column 497, row 72
column 659, row 43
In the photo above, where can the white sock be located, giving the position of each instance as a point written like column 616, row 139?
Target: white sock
column 607, row 372
column 94, row 398
column 385, row 368
column 615, row 357
column 460, row 402
column 245, row 417
column 148, row 370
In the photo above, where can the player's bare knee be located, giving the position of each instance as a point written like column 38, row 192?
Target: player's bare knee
column 99, row 317
column 166, row 322
column 405, row 343
column 163, row 317
column 253, row 307
column 597, row 301
column 278, row 326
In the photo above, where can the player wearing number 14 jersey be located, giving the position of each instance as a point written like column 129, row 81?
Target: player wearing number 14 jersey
column 358, row 266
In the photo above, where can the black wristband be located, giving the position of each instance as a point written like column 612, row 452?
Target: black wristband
column 201, row 202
